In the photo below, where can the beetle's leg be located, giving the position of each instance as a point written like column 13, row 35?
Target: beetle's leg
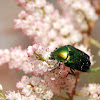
column 56, row 65
column 72, row 71
column 59, row 65
column 68, row 74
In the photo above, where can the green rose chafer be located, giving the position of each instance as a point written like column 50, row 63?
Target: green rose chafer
column 72, row 57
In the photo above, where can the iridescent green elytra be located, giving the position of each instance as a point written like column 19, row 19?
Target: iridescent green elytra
column 72, row 57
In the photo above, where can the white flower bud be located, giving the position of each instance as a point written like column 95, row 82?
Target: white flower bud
column 1, row 88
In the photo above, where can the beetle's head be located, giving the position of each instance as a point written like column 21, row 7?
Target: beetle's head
column 52, row 56
column 60, row 54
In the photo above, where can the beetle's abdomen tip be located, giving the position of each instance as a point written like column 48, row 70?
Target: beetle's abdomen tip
column 86, row 67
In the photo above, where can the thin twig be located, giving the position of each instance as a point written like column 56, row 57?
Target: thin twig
column 74, row 89
column 62, row 97
column 77, row 78
column 39, row 56
column 95, row 43
column 95, row 69
column 3, row 98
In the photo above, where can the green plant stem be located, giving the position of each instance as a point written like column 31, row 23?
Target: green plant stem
column 71, row 96
column 95, row 69
column 1, row 96
column 62, row 97
column 39, row 56
column 95, row 43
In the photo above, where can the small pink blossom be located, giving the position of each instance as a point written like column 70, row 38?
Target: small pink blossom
column 44, row 24
column 1, row 88
column 81, row 16
column 18, row 96
column 35, row 59
column 91, row 91
column 4, row 56
column 22, row 14
column 27, row 90
column 57, row 80
column 34, row 86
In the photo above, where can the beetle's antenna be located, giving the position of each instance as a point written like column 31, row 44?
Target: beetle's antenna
column 56, row 65
column 59, row 65
column 72, row 71
column 68, row 74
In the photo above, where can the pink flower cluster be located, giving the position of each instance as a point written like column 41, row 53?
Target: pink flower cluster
column 38, row 55
column 1, row 88
column 44, row 24
column 14, row 57
column 35, row 59
column 58, row 82
column 96, row 5
column 82, row 17
column 33, row 88
column 43, row 88
column 93, row 91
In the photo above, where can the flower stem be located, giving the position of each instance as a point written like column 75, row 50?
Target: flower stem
column 62, row 97
column 39, row 56
column 95, row 69
column 71, row 95
column 95, row 43
column 1, row 96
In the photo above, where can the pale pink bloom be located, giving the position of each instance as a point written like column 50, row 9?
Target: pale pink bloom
column 17, row 57
column 39, row 89
column 95, row 96
column 30, row 6
column 27, row 67
column 18, row 96
column 21, row 2
column 35, row 80
column 27, row 90
column 91, row 91
column 13, row 96
column 19, row 85
column 75, row 37
column 24, row 81
column 52, row 34
column 92, row 88
column 79, row 15
column 21, row 24
column 49, row 8
column 1, row 88
column 96, row 5
column 48, row 95
column 38, row 49
column 40, row 67
column 98, row 89
column 34, row 59
column 57, row 81
column 39, row 4
column 35, row 86
column 44, row 24
column 22, row 14
column 4, row 56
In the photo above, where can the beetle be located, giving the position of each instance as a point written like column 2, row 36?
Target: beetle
column 71, row 57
